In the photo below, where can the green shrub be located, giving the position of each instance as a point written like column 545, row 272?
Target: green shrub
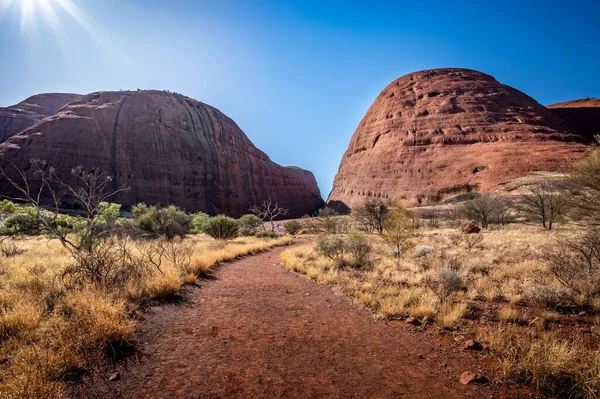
column 293, row 227
column 198, row 220
column 331, row 247
column 169, row 222
column 221, row 227
column 248, row 224
column 359, row 250
column 266, row 234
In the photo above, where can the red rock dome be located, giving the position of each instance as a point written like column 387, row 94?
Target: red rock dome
column 169, row 149
column 434, row 134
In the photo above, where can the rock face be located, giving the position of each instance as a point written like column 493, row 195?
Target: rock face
column 434, row 134
column 169, row 149
column 19, row 117
column 583, row 115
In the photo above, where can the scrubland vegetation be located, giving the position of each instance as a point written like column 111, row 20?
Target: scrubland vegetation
column 520, row 274
column 71, row 287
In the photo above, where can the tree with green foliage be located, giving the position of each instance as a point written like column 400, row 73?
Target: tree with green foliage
column 399, row 227
column 221, row 227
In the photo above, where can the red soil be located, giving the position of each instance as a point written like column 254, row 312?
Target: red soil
column 255, row 330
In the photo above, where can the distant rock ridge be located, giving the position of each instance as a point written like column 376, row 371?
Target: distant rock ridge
column 18, row 117
column 170, row 149
column 583, row 115
column 434, row 134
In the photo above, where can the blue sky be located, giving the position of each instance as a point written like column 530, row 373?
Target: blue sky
column 296, row 76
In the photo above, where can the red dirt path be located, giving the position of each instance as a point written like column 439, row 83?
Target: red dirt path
column 257, row 331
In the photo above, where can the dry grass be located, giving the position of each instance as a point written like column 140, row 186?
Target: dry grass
column 503, row 277
column 505, row 266
column 563, row 365
column 50, row 334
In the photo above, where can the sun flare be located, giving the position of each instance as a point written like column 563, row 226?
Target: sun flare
column 49, row 11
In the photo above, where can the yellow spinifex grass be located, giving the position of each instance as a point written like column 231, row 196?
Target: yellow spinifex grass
column 48, row 332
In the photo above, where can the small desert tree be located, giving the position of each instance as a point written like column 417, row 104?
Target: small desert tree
column 268, row 211
column 484, row 210
column 398, row 229
column 371, row 215
column 545, row 203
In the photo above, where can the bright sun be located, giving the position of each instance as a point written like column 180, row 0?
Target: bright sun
column 47, row 9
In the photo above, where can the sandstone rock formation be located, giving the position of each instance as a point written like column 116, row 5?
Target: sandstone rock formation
column 434, row 134
column 19, row 117
column 583, row 115
column 169, row 149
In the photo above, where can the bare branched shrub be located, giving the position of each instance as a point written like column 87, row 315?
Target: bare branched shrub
column 485, row 210
column 545, row 203
column 472, row 240
column 268, row 211
column 576, row 264
column 371, row 215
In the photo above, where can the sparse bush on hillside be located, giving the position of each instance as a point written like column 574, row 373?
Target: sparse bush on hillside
column 371, row 215
column 197, row 222
column 169, row 222
column 221, row 227
column 249, row 224
column 545, row 204
column 485, row 210
column 293, row 227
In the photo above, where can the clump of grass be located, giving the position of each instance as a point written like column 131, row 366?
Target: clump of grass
column 563, row 366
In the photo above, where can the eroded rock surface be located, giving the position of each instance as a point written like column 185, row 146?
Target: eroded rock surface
column 19, row 117
column 433, row 134
column 168, row 148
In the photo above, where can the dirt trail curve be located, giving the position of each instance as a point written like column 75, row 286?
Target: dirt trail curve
column 257, row 331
